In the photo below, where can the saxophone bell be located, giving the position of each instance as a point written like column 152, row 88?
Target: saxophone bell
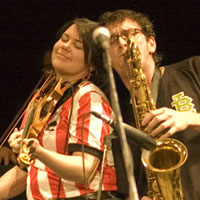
column 165, row 162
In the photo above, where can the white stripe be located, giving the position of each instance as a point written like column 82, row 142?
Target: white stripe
column 38, row 164
column 74, row 121
column 83, row 90
column 70, row 188
column 43, row 184
column 28, row 189
column 95, row 182
column 95, row 126
column 87, row 88
column 49, row 136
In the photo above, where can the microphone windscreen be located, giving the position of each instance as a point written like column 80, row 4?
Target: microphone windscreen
column 101, row 36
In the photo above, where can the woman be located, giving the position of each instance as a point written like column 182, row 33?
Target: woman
column 59, row 170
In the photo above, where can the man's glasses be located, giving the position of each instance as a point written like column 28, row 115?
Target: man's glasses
column 124, row 35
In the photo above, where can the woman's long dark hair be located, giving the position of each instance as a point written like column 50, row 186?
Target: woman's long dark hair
column 93, row 55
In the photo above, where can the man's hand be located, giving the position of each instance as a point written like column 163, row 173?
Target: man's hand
column 169, row 121
column 145, row 198
column 7, row 156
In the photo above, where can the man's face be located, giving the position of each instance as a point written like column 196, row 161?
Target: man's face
column 118, row 45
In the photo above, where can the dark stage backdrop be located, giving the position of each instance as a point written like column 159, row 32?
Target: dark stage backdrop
column 27, row 30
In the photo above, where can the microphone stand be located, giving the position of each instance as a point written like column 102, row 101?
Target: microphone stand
column 127, row 156
column 107, row 146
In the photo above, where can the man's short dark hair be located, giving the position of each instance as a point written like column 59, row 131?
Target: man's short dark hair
column 143, row 21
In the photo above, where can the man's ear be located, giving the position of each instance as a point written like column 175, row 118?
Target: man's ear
column 152, row 45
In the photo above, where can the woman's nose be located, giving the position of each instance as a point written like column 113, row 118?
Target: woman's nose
column 66, row 45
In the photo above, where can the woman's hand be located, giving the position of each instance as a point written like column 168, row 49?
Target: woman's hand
column 15, row 140
column 33, row 145
column 169, row 121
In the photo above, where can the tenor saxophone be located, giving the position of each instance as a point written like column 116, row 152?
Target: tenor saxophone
column 162, row 164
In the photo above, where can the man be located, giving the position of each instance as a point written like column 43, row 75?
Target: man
column 177, row 113
column 7, row 161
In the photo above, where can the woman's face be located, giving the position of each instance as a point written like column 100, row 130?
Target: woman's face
column 68, row 56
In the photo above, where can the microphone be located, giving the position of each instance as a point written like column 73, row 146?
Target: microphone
column 101, row 37
column 138, row 136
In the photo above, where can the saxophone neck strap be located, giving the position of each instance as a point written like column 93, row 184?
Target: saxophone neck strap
column 155, row 83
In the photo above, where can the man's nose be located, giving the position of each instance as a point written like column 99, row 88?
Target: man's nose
column 122, row 42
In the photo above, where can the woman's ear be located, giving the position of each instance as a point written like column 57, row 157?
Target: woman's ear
column 91, row 68
column 152, row 45
column 89, row 72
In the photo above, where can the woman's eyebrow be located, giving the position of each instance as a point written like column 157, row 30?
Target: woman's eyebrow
column 65, row 34
column 75, row 39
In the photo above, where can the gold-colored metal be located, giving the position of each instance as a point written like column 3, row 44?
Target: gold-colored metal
column 163, row 169
column 24, row 158
column 162, row 165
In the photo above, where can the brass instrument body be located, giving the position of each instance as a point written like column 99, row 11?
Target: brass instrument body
column 39, row 111
column 165, row 162
column 138, row 87
column 162, row 165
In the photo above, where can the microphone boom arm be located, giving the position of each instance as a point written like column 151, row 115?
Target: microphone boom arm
column 137, row 135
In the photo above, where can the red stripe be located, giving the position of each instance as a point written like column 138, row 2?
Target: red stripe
column 109, row 180
column 61, row 129
column 54, row 184
column 82, row 188
column 34, row 184
column 105, row 127
column 61, row 134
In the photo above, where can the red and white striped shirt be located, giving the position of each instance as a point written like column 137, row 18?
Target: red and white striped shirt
column 42, row 182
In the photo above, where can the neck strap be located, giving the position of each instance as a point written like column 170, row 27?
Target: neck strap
column 155, row 84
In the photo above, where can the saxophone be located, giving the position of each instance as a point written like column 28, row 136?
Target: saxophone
column 162, row 164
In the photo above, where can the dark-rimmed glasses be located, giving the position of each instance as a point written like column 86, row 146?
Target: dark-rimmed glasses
column 124, row 35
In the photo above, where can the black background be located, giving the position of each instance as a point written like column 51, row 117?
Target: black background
column 27, row 29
